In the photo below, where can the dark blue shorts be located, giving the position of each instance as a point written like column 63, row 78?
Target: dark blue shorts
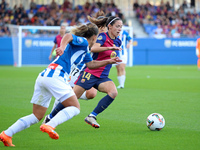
column 87, row 81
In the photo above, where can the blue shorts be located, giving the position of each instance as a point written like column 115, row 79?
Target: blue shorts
column 87, row 81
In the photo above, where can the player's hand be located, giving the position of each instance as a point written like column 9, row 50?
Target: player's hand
column 59, row 51
column 115, row 60
column 115, row 48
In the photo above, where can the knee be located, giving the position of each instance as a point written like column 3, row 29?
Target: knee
column 121, row 69
column 90, row 95
column 113, row 94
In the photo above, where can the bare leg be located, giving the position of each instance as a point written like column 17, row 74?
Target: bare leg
column 89, row 94
column 39, row 111
column 78, row 90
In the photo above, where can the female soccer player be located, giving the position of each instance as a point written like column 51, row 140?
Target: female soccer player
column 57, row 41
column 98, row 78
column 88, row 94
column 123, row 54
column 53, row 82
column 110, row 47
column 91, row 93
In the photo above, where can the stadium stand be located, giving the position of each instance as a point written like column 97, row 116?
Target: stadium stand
column 163, row 21
column 157, row 21
column 52, row 14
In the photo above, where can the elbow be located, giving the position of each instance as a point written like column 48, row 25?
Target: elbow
column 92, row 50
column 89, row 65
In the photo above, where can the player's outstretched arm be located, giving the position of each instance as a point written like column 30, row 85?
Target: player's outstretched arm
column 96, row 64
column 65, row 40
column 96, row 48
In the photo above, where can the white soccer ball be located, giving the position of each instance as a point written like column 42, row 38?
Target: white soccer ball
column 155, row 122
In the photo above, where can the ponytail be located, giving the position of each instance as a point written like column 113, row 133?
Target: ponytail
column 99, row 22
column 86, row 31
column 100, row 14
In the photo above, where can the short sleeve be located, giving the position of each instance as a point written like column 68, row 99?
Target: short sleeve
column 118, row 42
column 79, row 41
column 55, row 40
column 87, row 58
column 101, row 38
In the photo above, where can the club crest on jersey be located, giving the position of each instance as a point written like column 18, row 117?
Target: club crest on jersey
column 79, row 40
column 113, row 54
column 100, row 38
column 82, row 80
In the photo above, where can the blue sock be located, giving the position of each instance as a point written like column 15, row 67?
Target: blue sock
column 56, row 110
column 102, row 105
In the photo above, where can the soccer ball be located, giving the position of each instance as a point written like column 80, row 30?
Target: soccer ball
column 155, row 122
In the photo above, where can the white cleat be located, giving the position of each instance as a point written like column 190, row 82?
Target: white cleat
column 120, row 87
column 91, row 120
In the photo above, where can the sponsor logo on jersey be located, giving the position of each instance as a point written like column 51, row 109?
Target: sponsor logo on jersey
column 53, row 66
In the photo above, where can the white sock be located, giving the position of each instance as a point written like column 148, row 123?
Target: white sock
column 119, row 80
column 83, row 96
column 123, row 78
column 21, row 124
column 63, row 115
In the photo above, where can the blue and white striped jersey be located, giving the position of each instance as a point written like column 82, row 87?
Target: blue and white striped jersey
column 76, row 54
column 125, row 38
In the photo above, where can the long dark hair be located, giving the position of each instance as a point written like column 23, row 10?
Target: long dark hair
column 111, row 20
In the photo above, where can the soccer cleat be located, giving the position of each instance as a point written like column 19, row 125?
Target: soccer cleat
column 50, row 130
column 120, row 87
column 91, row 120
column 46, row 119
column 7, row 140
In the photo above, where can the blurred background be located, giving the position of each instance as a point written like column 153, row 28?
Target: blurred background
column 164, row 31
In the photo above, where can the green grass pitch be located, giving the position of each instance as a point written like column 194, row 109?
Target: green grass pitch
column 173, row 91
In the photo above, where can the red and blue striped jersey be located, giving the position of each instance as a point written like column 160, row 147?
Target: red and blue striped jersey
column 57, row 40
column 105, row 41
